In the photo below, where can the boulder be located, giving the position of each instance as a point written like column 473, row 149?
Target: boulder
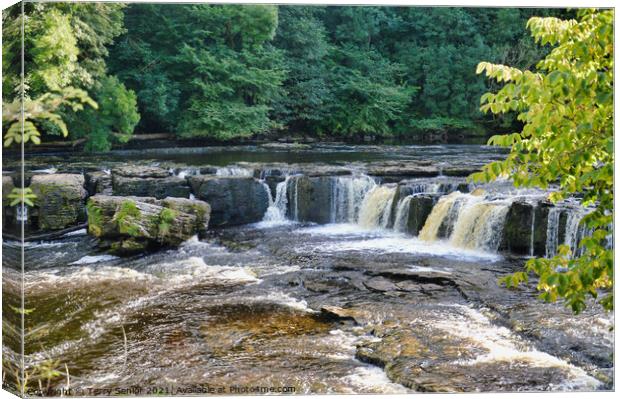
column 234, row 200
column 128, row 225
column 60, row 200
column 420, row 206
column 200, row 209
column 541, row 219
column 158, row 187
column 395, row 172
column 98, row 182
column 310, row 199
column 460, row 170
column 148, row 181
column 518, row 228
column 141, row 171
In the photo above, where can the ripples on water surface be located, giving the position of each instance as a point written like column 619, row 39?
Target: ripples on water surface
column 244, row 307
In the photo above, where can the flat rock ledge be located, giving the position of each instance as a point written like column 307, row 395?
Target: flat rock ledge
column 128, row 225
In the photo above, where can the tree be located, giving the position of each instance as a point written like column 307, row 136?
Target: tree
column 202, row 70
column 302, row 38
column 113, row 121
column 64, row 54
column 368, row 90
column 566, row 143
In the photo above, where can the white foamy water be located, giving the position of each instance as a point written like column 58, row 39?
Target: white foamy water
column 192, row 270
column 504, row 346
column 94, row 259
column 79, row 232
column 427, row 269
column 384, row 241
column 234, row 171
column 372, row 379
column 340, row 229
column 195, row 269
column 281, row 298
column 74, row 275
column 49, row 171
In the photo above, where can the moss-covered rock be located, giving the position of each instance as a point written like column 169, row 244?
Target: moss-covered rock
column 60, row 200
column 125, row 225
column 200, row 209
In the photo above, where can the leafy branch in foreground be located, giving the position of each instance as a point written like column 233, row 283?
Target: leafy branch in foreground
column 41, row 109
column 566, row 143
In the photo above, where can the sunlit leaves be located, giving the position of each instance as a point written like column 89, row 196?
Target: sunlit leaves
column 566, row 143
column 22, row 196
column 44, row 108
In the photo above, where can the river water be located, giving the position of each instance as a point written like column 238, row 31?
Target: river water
column 352, row 306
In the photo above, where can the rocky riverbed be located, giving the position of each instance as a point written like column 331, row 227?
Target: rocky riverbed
column 329, row 276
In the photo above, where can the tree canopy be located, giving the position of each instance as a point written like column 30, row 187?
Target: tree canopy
column 222, row 72
column 226, row 71
column 65, row 46
column 566, row 143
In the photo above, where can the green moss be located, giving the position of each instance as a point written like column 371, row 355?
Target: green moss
column 166, row 217
column 126, row 218
column 128, row 247
column 95, row 219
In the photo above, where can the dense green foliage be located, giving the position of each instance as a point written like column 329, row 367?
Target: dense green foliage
column 227, row 71
column 65, row 46
column 566, row 142
column 224, row 71
column 201, row 70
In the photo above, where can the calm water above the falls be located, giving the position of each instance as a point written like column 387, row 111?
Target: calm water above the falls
column 356, row 304
column 327, row 153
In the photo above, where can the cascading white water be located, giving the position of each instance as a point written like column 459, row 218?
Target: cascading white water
column 402, row 214
column 348, row 193
column 446, row 208
column 234, row 171
column 575, row 231
column 480, row 224
column 471, row 221
column 183, row 173
column 376, row 207
column 278, row 206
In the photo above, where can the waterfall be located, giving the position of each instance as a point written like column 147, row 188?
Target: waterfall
column 402, row 214
column 469, row 221
column 234, row 171
column 277, row 207
column 425, row 187
column 442, row 210
column 480, row 224
column 553, row 227
column 376, row 207
column 295, row 204
column 348, row 193
column 183, row 173
column 575, row 231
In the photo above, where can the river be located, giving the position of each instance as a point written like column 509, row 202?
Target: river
column 352, row 304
